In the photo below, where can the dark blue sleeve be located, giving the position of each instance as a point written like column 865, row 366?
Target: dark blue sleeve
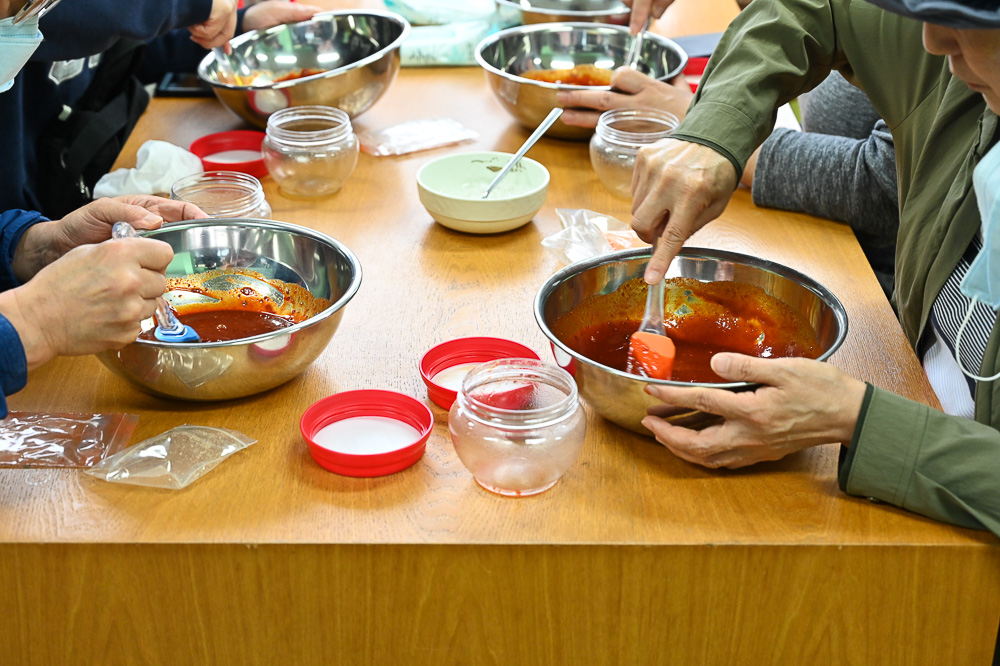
column 175, row 52
column 13, row 224
column 80, row 29
column 13, row 364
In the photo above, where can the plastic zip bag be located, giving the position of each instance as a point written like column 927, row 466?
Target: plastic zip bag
column 414, row 135
column 62, row 440
column 173, row 459
column 588, row 234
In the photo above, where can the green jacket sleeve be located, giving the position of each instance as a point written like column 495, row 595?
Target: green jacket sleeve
column 918, row 458
column 775, row 51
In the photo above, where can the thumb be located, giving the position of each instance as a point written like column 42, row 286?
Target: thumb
column 741, row 368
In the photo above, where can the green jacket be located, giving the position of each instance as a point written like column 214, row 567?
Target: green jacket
column 903, row 452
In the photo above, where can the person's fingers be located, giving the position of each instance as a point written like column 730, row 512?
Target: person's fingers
column 628, row 80
column 679, row 226
column 168, row 209
column 741, row 368
column 698, row 447
column 720, row 402
column 149, row 253
column 151, row 284
column 577, row 118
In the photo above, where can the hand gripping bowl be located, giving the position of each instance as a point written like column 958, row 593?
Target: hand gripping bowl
column 619, row 396
column 358, row 51
column 234, row 369
column 554, row 11
column 508, row 53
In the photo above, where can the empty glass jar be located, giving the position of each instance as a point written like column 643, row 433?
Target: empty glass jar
column 223, row 194
column 617, row 139
column 517, row 425
column 310, row 151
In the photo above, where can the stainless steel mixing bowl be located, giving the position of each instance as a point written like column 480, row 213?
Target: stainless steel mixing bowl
column 555, row 11
column 224, row 370
column 508, row 53
column 619, row 396
column 359, row 51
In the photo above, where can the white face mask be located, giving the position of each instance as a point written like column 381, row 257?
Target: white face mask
column 17, row 44
column 982, row 282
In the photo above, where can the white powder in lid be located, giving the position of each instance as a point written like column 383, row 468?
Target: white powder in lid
column 366, row 435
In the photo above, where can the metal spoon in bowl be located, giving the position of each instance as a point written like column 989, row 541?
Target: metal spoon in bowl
column 635, row 45
column 168, row 327
column 535, row 136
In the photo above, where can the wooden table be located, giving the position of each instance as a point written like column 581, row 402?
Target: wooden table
column 634, row 557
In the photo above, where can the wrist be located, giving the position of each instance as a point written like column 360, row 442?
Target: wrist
column 37, row 348
column 35, row 249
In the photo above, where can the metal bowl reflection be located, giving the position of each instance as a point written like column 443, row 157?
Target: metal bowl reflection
column 238, row 368
column 555, row 11
column 619, row 396
column 508, row 53
column 357, row 51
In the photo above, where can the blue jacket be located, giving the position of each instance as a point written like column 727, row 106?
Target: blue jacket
column 13, row 364
column 76, row 33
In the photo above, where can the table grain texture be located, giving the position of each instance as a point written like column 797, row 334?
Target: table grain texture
column 635, row 556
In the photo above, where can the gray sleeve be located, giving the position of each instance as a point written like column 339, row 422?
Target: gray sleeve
column 842, row 179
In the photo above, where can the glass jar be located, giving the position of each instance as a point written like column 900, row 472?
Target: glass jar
column 619, row 135
column 517, row 425
column 310, row 151
column 223, row 194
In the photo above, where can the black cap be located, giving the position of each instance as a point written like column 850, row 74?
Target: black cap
column 949, row 13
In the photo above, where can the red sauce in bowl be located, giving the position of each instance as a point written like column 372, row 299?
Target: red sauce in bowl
column 703, row 319
column 223, row 325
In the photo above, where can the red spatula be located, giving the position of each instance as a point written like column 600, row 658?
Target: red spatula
column 650, row 347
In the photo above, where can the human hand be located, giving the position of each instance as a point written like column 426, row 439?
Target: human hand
column 677, row 188
column 219, row 28
column 629, row 89
column 91, row 299
column 43, row 243
column 801, row 403
column 270, row 13
column 641, row 9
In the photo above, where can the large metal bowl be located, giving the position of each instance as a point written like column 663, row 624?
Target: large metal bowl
column 359, row 51
column 619, row 396
column 557, row 11
column 508, row 53
column 224, row 370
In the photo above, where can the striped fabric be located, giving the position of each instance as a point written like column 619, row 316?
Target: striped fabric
column 950, row 308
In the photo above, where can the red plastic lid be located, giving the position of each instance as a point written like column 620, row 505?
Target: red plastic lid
column 211, row 145
column 366, row 433
column 467, row 352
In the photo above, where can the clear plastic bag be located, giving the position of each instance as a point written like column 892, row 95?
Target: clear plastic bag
column 62, row 440
column 173, row 459
column 414, row 135
column 588, row 234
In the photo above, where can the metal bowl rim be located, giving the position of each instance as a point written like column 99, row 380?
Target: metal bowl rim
column 553, row 27
column 579, row 267
column 251, row 223
column 239, row 40
column 622, row 11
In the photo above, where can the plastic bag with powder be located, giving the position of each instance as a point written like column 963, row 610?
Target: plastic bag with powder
column 414, row 135
column 173, row 459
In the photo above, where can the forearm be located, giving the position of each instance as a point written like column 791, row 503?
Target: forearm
column 835, row 177
column 918, row 458
column 770, row 54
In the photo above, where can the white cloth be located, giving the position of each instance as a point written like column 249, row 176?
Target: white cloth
column 948, row 381
column 158, row 166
